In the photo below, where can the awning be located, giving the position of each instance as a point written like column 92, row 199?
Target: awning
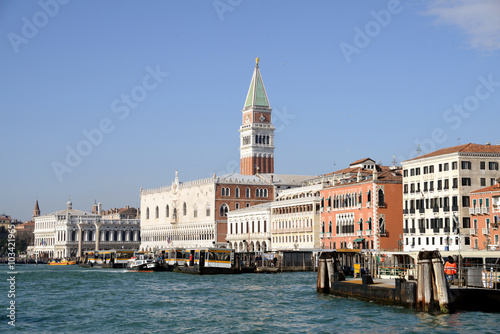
column 359, row 240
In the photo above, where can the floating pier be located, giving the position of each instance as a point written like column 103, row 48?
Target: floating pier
column 429, row 293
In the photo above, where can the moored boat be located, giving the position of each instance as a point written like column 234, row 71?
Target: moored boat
column 146, row 263
column 61, row 262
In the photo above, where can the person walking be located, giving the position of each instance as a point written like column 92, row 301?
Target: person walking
column 450, row 269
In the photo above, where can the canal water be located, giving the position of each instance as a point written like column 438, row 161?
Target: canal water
column 69, row 299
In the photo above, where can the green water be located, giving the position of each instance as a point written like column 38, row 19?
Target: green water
column 69, row 299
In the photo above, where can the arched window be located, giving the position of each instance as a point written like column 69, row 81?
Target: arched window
column 330, row 227
column 223, row 210
column 265, row 193
column 323, row 227
column 157, row 212
column 257, row 192
column 184, row 209
column 174, row 214
column 223, row 191
column 147, row 213
column 237, row 192
column 247, row 193
column 381, row 199
column 381, row 225
column 167, row 211
column 195, row 211
column 369, row 196
column 208, row 209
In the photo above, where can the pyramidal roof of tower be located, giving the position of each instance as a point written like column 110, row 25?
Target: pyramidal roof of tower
column 257, row 96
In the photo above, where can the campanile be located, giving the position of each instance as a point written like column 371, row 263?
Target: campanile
column 257, row 130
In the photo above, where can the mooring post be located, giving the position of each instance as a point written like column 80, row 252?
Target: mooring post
column 331, row 271
column 420, row 282
column 322, row 274
column 427, row 280
column 441, row 286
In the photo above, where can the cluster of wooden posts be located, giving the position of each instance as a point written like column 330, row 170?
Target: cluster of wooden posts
column 433, row 292
column 429, row 293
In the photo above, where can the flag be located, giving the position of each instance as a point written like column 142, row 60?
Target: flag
column 168, row 240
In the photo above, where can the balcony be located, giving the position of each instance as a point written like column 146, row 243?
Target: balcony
column 473, row 231
column 435, row 210
column 359, row 205
column 412, row 230
column 454, row 208
column 446, row 208
column 321, row 234
column 412, row 211
column 359, row 233
column 435, row 229
column 421, row 210
column 471, row 211
column 446, row 229
column 485, row 211
column 421, row 230
column 405, row 211
column 405, row 230
column 368, row 232
column 486, row 231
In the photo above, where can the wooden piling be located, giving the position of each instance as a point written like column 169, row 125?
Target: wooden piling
column 441, row 286
column 322, row 285
column 331, row 271
column 420, row 283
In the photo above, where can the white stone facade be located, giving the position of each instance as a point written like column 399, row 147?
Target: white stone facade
column 436, row 191
column 181, row 215
column 57, row 234
column 295, row 218
column 249, row 229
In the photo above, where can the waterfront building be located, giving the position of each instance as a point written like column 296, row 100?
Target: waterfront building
column 361, row 207
column 484, row 214
column 295, row 218
column 436, row 195
column 69, row 232
column 249, row 228
column 194, row 213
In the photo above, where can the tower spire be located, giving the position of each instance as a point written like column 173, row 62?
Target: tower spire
column 36, row 210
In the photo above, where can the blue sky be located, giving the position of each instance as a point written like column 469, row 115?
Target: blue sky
column 139, row 89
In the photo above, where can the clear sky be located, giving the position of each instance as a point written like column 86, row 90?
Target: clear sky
column 101, row 98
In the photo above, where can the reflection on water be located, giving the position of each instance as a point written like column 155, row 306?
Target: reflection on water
column 83, row 300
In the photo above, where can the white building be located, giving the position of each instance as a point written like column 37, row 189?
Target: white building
column 249, row 228
column 436, row 189
column 295, row 218
column 68, row 232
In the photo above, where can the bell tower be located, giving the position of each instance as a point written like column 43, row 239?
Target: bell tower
column 257, row 130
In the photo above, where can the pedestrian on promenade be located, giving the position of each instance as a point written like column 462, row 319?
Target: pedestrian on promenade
column 450, row 269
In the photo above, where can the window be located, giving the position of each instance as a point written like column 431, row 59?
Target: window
column 237, row 206
column 184, row 209
column 492, row 181
column 426, row 170
column 208, row 210
column 381, row 199
column 493, row 165
column 431, row 169
column 237, row 192
column 381, row 225
column 167, row 211
column 482, row 165
column 440, row 167
column 440, row 185
column 417, row 171
column 195, row 211
column 446, row 184
column 223, row 210
column 157, row 212
column 454, row 165
column 425, row 186
column 466, row 165
column 466, row 181
column 174, row 214
column 405, row 173
column 431, row 186
column 412, row 188
column 405, row 190
column 465, row 201
column 446, row 166
column 147, row 213
column 483, row 182
column 455, row 183
column 412, row 172
column 247, row 193
column 466, row 222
